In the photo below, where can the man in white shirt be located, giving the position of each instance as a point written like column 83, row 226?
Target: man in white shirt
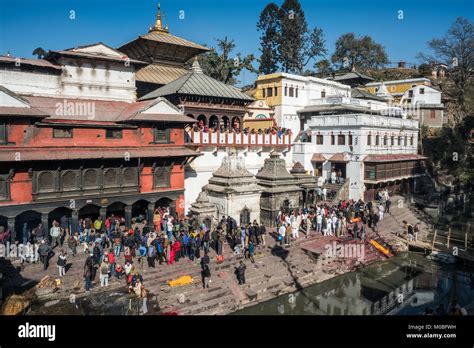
column 281, row 233
column 381, row 211
column 319, row 223
column 325, row 193
column 55, row 233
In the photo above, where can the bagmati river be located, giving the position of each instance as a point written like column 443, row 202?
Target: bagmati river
column 404, row 285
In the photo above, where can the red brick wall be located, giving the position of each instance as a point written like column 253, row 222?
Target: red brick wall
column 29, row 136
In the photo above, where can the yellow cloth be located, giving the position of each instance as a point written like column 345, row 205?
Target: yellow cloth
column 184, row 280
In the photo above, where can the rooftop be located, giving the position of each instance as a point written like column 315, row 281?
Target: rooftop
column 42, row 63
column 393, row 82
column 97, row 51
column 195, row 82
column 302, row 79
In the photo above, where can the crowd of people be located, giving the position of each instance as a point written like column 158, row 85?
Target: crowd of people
column 117, row 251
column 200, row 126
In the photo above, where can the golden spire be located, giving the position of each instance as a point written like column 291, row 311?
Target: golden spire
column 159, row 23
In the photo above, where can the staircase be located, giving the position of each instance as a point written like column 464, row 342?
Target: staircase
column 337, row 192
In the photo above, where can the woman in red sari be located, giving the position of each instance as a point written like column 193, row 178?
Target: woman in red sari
column 177, row 250
column 172, row 254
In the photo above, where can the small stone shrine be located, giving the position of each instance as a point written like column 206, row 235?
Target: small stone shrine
column 280, row 189
column 234, row 191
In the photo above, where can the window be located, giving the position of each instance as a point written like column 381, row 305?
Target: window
column 62, row 132
column 161, row 176
column 350, row 139
column 369, row 139
column 323, row 94
column 385, row 140
column 333, row 139
column 422, row 91
column 111, row 176
column 113, row 134
column 341, row 139
column 405, row 143
column 161, row 136
column 263, row 92
column 129, row 176
column 244, row 216
column 286, row 91
column 319, row 139
column 370, row 172
column 46, row 181
column 392, row 140
column 377, row 140
column 269, row 92
column 4, row 187
column 292, row 91
column 69, row 180
column 411, row 140
column 410, row 94
column 432, row 115
column 3, row 133
column 296, row 92
column 90, row 178
column 399, row 141
column 276, row 91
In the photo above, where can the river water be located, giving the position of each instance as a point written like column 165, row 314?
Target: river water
column 404, row 285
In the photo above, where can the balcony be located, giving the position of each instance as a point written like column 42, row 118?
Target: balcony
column 237, row 139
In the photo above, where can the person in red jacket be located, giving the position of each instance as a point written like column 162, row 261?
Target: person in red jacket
column 111, row 260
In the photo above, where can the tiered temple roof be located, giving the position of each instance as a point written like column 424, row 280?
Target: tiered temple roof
column 166, row 53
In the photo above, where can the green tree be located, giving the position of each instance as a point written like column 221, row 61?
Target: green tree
column 286, row 41
column 456, row 50
column 292, row 38
column 323, row 68
column 425, row 70
column 270, row 26
column 358, row 53
column 221, row 65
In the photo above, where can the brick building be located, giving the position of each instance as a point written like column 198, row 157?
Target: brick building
column 77, row 143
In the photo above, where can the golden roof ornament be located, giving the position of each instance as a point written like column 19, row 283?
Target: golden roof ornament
column 159, row 23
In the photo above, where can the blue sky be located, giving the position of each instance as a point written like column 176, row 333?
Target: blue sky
column 27, row 24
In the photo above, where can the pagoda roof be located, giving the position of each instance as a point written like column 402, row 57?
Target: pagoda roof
column 197, row 83
column 170, row 39
column 159, row 45
column 160, row 74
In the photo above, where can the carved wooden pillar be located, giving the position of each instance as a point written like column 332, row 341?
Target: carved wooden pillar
column 128, row 215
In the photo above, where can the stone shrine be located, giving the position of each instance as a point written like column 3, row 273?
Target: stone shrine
column 234, row 191
column 280, row 189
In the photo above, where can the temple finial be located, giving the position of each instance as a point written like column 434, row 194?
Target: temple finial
column 159, row 23
column 196, row 67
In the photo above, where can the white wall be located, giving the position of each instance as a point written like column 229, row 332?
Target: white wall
column 430, row 96
column 31, row 83
column 112, row 82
